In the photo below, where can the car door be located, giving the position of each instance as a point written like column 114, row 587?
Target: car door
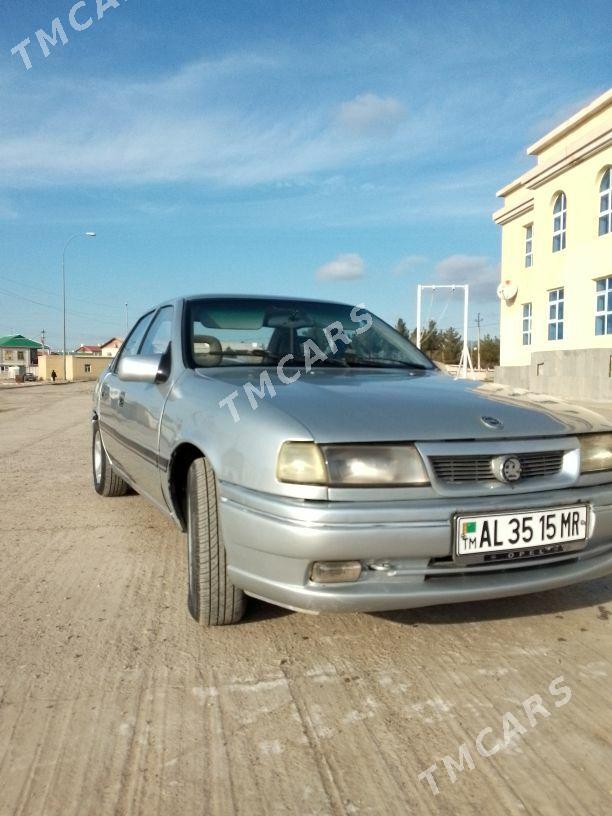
column 112, row 390
column 138, row 411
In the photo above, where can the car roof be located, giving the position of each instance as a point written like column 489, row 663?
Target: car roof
column 262, row 297
column 221, row 295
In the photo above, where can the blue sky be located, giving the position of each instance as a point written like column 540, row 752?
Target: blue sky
column 346, row 150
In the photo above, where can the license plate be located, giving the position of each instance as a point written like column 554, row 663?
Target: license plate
column 512, row 535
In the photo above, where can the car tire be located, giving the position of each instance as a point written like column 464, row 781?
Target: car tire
column 105, row 479
column 212, row 598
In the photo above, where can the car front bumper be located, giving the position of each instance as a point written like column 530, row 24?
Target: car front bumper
column 272, row 542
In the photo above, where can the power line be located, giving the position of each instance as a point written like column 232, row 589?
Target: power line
column 55, row 294
column 58, row 308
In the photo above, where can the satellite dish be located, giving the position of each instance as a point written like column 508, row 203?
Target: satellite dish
column 507, row 291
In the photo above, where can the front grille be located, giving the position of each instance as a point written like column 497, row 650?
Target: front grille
column 461, row 469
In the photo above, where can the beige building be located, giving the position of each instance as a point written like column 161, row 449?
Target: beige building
column 111, row 347
column 84, row 349
column 78, row 366
column 556, row 269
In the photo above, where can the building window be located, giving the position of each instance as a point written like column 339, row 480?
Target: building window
column 559, row 222
column 20, row 355
column 527, row 313
column 605, row 203
column 88, row 368
column 603, row 306
column 528, row 245
column 556, row 303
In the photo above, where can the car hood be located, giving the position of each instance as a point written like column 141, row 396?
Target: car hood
column 356, row 405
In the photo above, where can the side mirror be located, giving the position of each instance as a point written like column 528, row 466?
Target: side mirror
column 141, row 368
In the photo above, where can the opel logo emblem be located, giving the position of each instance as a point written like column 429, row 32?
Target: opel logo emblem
column 492, row 422
column 507, row 469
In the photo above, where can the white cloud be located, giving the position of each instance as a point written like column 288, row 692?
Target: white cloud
column 480, row 272
column 349, row 266
column 195, row 124
column 190, row 125
column 371, row 115
column 407, row 264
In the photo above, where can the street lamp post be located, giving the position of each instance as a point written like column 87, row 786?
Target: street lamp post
column 68, row 242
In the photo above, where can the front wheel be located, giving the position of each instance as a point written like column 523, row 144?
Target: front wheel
column 106, row 482
column 213, row 600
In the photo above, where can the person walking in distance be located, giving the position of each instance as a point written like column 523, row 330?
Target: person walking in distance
column 53, row 376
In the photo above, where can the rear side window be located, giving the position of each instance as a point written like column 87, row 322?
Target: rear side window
column 159, row 333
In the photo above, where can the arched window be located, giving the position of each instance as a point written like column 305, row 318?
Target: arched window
column 559, row 222
column 605, row 203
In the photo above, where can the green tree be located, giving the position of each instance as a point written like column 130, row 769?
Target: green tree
column 402, row 328
column 451, row 345
column 489, row 351
column 431, row 339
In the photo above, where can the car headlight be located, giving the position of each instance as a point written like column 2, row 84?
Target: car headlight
column 351, row 465
column 596, row 452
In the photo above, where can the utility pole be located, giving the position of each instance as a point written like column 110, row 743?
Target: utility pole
column 68, row 242
column 478, row 321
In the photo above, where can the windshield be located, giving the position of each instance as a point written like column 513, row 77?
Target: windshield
column 260, row 332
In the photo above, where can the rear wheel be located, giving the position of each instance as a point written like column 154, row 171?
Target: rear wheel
column 105, row 479
column 212, row 598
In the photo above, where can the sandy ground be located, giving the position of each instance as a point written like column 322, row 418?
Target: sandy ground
column 112, row 701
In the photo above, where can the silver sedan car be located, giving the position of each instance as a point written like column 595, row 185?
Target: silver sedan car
column 317, row 460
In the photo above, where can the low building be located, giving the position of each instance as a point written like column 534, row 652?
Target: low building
column 78, row 366
column 17, row 350
column 556, row 268
column 111, row 347
column 88, row 350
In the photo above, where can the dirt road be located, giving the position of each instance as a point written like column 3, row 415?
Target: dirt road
column 112, row 701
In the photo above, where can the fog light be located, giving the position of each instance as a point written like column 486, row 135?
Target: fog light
column 335, row 572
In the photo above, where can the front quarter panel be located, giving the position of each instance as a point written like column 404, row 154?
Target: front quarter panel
column 243, row 453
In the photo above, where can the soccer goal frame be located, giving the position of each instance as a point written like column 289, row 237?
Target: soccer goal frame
column 465, row 362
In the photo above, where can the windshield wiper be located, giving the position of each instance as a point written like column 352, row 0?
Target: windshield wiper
column 267, row 359
column 346, row 362
column 384, row 362
column 301, row 361
column 330, row 361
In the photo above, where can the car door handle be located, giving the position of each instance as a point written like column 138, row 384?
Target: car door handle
column 121, row 399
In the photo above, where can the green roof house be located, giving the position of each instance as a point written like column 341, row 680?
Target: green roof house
column 17, row 350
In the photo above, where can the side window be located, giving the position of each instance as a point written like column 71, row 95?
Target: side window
column 556, row 314
column 527, row 320
column 528, row 246
column 559, row 223
column 159, row 333
column 605, row 203
column 603, row 307
column 131, row 345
